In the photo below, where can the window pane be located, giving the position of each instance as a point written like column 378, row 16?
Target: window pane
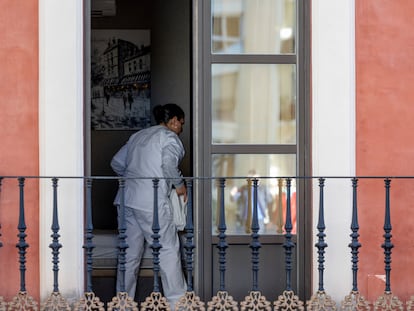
column 238, row 192
column 253, row 103
column 253, row 26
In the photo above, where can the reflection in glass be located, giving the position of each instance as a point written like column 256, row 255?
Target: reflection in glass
column 253, row 26
column 239, row 170
column 254, row 103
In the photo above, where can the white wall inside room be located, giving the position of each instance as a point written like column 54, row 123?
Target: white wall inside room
column 333, row 135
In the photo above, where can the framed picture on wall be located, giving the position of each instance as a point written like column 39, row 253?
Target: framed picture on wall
column 120, row 79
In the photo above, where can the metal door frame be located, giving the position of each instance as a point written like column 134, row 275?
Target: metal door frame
column 202, row 146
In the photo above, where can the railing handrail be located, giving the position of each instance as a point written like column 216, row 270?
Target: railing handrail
column 105, row 177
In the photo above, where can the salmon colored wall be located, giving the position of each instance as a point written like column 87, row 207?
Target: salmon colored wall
column 384, row 143
column 19, row 140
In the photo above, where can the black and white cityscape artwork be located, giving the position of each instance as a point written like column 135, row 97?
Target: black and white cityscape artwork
column 120, row 79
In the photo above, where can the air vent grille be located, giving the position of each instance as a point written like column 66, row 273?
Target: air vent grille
column 102, row 8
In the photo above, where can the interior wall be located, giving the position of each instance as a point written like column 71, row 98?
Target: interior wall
column 169, row 23
column 171, row 63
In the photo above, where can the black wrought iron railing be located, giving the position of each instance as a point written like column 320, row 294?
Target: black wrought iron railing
column 222, row 300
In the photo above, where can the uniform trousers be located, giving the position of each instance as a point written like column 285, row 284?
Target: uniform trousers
column 139, row 229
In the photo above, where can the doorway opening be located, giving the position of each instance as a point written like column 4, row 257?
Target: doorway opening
column 140, row 57
column 191, row 53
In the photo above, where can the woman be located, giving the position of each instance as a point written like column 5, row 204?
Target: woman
column 153, row 152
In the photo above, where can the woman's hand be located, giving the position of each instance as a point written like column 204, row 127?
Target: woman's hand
column 182, row 191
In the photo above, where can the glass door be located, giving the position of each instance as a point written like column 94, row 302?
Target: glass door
column 254, row 108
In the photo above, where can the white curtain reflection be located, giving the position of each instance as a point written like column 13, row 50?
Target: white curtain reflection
column 253, row 104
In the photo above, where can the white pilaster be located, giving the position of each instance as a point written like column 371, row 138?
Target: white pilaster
column 61, row 143
column 333, row 134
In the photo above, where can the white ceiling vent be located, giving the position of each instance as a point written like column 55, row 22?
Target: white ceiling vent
column 102, row 8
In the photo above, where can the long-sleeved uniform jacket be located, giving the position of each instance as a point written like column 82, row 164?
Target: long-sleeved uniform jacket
column 154, row 152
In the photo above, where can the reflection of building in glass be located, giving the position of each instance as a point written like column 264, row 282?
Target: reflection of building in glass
column 236, row 30
column 226, row 26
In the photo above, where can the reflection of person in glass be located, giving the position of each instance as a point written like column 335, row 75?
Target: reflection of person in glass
column 244, row 197
column 153, row 152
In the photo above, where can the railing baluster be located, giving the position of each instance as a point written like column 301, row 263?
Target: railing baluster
column 89, row 246
column 22, row 245
column 387, row 245
column 156, row 301
column 354, row 245
column 55, row 301
column 321, row 245
column 320, row 300
column 222, row 300
column 288, row 300
column 255, row 244
column 255, row 300
column 156, row 245
column 122, row 301
column 355, row 301
column 190, row 300
column 122, row 245
column 89, row 301
column 22, row 300
column 189, row 235
column 222, row 245
column 388, row 301
column 55, row 245
column 288, row 245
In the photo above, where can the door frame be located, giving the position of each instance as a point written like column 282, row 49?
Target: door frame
column 202, row 148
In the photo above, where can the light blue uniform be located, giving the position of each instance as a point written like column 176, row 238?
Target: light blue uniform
column 151, row 152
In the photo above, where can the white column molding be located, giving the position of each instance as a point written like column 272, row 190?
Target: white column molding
column 333, row 134
column 61, row 141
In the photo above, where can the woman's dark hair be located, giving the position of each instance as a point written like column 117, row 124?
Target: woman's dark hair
column 164, row 113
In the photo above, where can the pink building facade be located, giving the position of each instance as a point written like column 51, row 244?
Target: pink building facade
column 361, row 64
